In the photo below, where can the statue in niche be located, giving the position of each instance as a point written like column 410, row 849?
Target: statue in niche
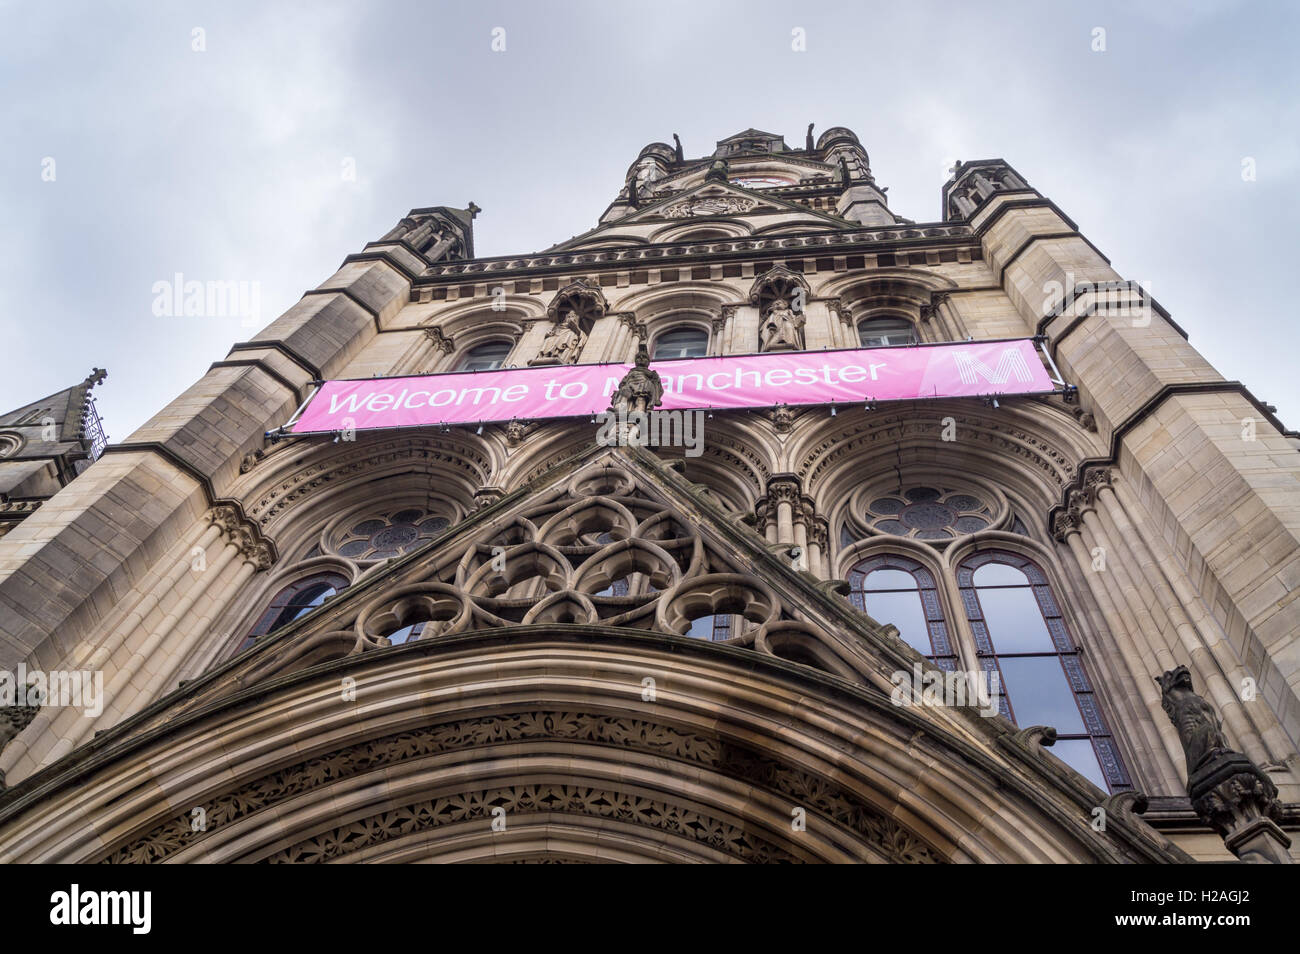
column 1198, row 725
column 782, row 328
column 562, row 343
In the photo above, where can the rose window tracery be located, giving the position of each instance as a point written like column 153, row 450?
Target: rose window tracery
column 928, row 513
column 387, row 535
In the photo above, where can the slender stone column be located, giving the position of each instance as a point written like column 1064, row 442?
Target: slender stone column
column 1155, row 735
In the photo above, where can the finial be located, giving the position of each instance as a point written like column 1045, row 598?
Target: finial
column 681, row 157
column 473, row 210
column 808, row 139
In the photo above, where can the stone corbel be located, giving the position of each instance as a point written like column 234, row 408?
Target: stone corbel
column 439, row 340
column 257, row 550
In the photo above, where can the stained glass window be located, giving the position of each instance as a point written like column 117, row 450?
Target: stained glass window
column 928, row 513
column 388, row 535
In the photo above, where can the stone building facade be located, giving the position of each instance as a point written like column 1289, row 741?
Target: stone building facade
column 511, row 643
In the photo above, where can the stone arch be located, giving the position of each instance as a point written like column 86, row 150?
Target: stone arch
column 877, row 782
column 720, row 228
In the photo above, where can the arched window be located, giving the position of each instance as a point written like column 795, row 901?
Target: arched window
column 297, row 599
column 886, row 333
column 899, row 590
column 486, row 357
column 1021, row 635
column 681, row 343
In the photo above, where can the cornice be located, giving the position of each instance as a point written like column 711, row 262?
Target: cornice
column 813, row 244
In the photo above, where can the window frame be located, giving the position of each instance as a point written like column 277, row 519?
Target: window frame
column 1066, row 651
column 468, row 354
column 268, row 621
column 679, row 329
column 914, row 336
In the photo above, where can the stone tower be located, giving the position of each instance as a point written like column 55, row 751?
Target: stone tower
column 508, row 639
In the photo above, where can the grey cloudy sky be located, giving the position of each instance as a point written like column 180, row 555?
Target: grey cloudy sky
column 226, row 164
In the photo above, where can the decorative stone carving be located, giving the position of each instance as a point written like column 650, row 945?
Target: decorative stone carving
column 711, row 205
column 782, row 328
column 782, row 418
column 439, row 340
column 1229, row 792
column 485, row 497
column 1064, row 524
column 585, row 300
column 817, row 794
column 13, row 719
column 244, row 534
column 515, row 432
column 563, row 343
column 640, row 390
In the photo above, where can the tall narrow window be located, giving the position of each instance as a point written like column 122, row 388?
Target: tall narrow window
column 682, row 343
column 297, row 599
column 899, row 590
column 486, row 357
column 886, row 333
column 1021, row 635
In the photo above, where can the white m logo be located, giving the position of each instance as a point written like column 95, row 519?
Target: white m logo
column 1011, row 363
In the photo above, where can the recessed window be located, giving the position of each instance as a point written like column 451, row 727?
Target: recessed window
column 1021, row 635
column 899, row 590
column 295, row 600
column 682, row 343
column 886, row 333
column 486, row 357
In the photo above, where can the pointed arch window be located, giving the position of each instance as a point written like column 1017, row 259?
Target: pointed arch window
column 899, row 590
column 886, row 333
column 1020, row 634
column 681, row 343
column 486, row 357
column 297, row 599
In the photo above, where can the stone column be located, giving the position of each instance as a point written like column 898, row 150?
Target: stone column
column 1154, row 736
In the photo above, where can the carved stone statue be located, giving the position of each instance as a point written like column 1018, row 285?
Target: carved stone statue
column 1229, row 792
column 562, row 343
column 782, row 328
column 1198, row 725
column 640, row 390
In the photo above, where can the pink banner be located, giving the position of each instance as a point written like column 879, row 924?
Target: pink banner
column 737, row 381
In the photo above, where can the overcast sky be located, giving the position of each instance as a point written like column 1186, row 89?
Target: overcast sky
column 230, row 163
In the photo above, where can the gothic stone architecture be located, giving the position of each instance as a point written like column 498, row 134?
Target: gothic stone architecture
column 512, row 643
